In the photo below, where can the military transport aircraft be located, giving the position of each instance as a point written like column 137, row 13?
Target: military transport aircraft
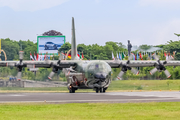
column 85, row 74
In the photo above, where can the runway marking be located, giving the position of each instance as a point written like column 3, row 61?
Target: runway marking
column 79, row 101
column 16, row 95
column 148, row 94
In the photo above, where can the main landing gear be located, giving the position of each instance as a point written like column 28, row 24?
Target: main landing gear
column 101, row 90
column 72, row 90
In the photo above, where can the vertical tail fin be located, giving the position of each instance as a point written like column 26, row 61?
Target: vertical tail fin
column 73, row 43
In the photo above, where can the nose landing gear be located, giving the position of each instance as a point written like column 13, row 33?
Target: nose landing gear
column 101, row 90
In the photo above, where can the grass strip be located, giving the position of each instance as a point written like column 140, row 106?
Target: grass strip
column 87, row 111
column 122, row 85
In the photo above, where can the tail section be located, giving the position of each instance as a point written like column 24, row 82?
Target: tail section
column 73, row 43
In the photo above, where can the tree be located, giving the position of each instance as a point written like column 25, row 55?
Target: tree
column 108, row 51
column 173, row 46
column 177, row 35
column 82, row 48
column 11, row 48
column 145, row 47
column 65, row 47
column 114, row 45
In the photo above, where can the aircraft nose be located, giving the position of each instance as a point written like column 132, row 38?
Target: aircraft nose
column 100, row 75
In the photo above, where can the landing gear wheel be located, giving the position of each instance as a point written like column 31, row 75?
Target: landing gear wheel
column 97, row 90
column 101, row 90
column 72, row 90
column 104, row 90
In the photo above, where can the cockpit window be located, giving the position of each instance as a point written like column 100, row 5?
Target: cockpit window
column 92, row 67
column 99, row 67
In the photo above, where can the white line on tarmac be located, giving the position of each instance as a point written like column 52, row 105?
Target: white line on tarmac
column 79, row 101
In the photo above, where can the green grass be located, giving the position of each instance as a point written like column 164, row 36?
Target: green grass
column 126, row 85
column 145, row 85
column 96, row 111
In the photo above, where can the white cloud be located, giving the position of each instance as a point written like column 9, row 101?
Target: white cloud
column 160, row 3
column 30, row 5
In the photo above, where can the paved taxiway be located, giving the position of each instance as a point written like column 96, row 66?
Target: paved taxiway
column 90, row 97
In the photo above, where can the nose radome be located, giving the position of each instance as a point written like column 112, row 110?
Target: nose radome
column 100, row 75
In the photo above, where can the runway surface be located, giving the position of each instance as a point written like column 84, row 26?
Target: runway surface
column 112, row 97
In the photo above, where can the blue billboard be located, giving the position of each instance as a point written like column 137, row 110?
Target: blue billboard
column 49, row 44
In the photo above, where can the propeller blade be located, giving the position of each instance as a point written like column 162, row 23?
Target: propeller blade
column 51, row 75
column 153, row 71
column 168, row 75
column 19, row 75
column 120, row 75
column 135, row 71
column 155, row 57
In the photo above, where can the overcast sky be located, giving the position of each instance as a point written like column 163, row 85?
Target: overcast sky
column 150, row 22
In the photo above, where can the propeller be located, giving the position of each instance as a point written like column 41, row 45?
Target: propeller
column 125, row 67
column 160, row 66
column 20, row 65
column 55, row 67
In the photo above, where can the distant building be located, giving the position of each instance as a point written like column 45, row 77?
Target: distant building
column 52, row 33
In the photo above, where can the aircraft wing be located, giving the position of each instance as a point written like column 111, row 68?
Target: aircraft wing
column 38, row 64
column 69, row 63
column 140, row 63
column 48, row 64
column 59, row 64
column 113, row 63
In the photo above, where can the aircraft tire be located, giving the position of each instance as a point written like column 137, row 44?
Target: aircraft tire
column 72, row 90
column 104, row 90
column 101, row 90
column 97, row 90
